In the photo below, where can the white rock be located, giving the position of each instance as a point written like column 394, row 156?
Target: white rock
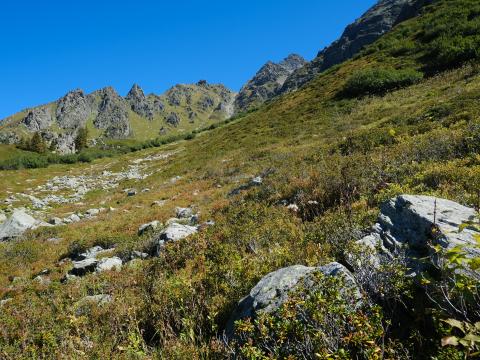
column 109, row 264
column 17, row 224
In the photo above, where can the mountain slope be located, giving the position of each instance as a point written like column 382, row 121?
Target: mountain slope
column 293, row 183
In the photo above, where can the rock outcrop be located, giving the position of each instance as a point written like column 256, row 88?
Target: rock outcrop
column 377, row 21
column 266, row 82
column 112, row 115
column 39, row 118
column 413, row 223
column 108, row 111
column 73, row 110
column 139, row 103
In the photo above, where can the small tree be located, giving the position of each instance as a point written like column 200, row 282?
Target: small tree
column 81, row 139
column 37, row 144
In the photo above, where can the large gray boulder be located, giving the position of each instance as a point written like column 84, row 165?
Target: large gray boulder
column 410, row 224
column 173, row 232
column 83, row 267
column 273, row 290
column 17, row 224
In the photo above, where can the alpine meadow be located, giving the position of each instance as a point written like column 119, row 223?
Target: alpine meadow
column 329, row 209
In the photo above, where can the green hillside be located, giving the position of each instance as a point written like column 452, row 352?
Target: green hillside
column 401, row 117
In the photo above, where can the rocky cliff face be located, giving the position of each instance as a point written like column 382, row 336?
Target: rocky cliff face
column 266, row 82
column 73, row 110
column 377, row 21
column 112, row 114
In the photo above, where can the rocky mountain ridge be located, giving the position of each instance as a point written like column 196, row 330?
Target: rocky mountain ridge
column 111, row 116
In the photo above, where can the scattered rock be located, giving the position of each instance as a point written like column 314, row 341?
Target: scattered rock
column 83, row 267
column 109, row 264
column 151, row 226
column 184, row 213
column 92, row 212
column 159, row 203
column 82, row 306
column 74, row 218
column 55, row 221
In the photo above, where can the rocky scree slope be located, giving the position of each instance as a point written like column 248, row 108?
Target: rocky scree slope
column 108, row 115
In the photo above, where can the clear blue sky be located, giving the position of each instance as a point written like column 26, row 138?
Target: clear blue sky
column 49, row 47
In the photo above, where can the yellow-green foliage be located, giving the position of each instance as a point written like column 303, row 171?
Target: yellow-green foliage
column 337, row 159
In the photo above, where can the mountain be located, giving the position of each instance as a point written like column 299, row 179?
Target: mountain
column 107, row 115
column 292, row 73
column 339, row 221
column 267, row 82
column 377, row 21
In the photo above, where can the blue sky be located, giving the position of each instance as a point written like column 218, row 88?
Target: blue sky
column 50, row 47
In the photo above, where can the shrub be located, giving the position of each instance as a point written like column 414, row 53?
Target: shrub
column 321, row 323
column 379, row 81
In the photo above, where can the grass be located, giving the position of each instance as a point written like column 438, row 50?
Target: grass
column 337, row 159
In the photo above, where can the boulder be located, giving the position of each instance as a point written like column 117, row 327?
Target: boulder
column 55, row 221
column 92, row 212
column 84, row 303
column 17, row 224
column 74, row 218
column 173, row 232
column 109, row 264
column 83, row 267
column 184, row 213
column 412, row 223
column 176, row 232
column 151, row 226
column 273, row 290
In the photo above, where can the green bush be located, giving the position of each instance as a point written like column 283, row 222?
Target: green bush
column 379, row 81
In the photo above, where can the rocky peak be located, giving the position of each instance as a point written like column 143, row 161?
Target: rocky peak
column 112, row 114
column 139, row 103
column 135, row 93
column 72, row 110
column 266, row 82
column 293, row 62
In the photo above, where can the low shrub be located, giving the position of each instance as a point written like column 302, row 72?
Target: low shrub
column 379, row 81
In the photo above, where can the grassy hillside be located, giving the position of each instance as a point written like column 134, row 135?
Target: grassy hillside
column 335, row 155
